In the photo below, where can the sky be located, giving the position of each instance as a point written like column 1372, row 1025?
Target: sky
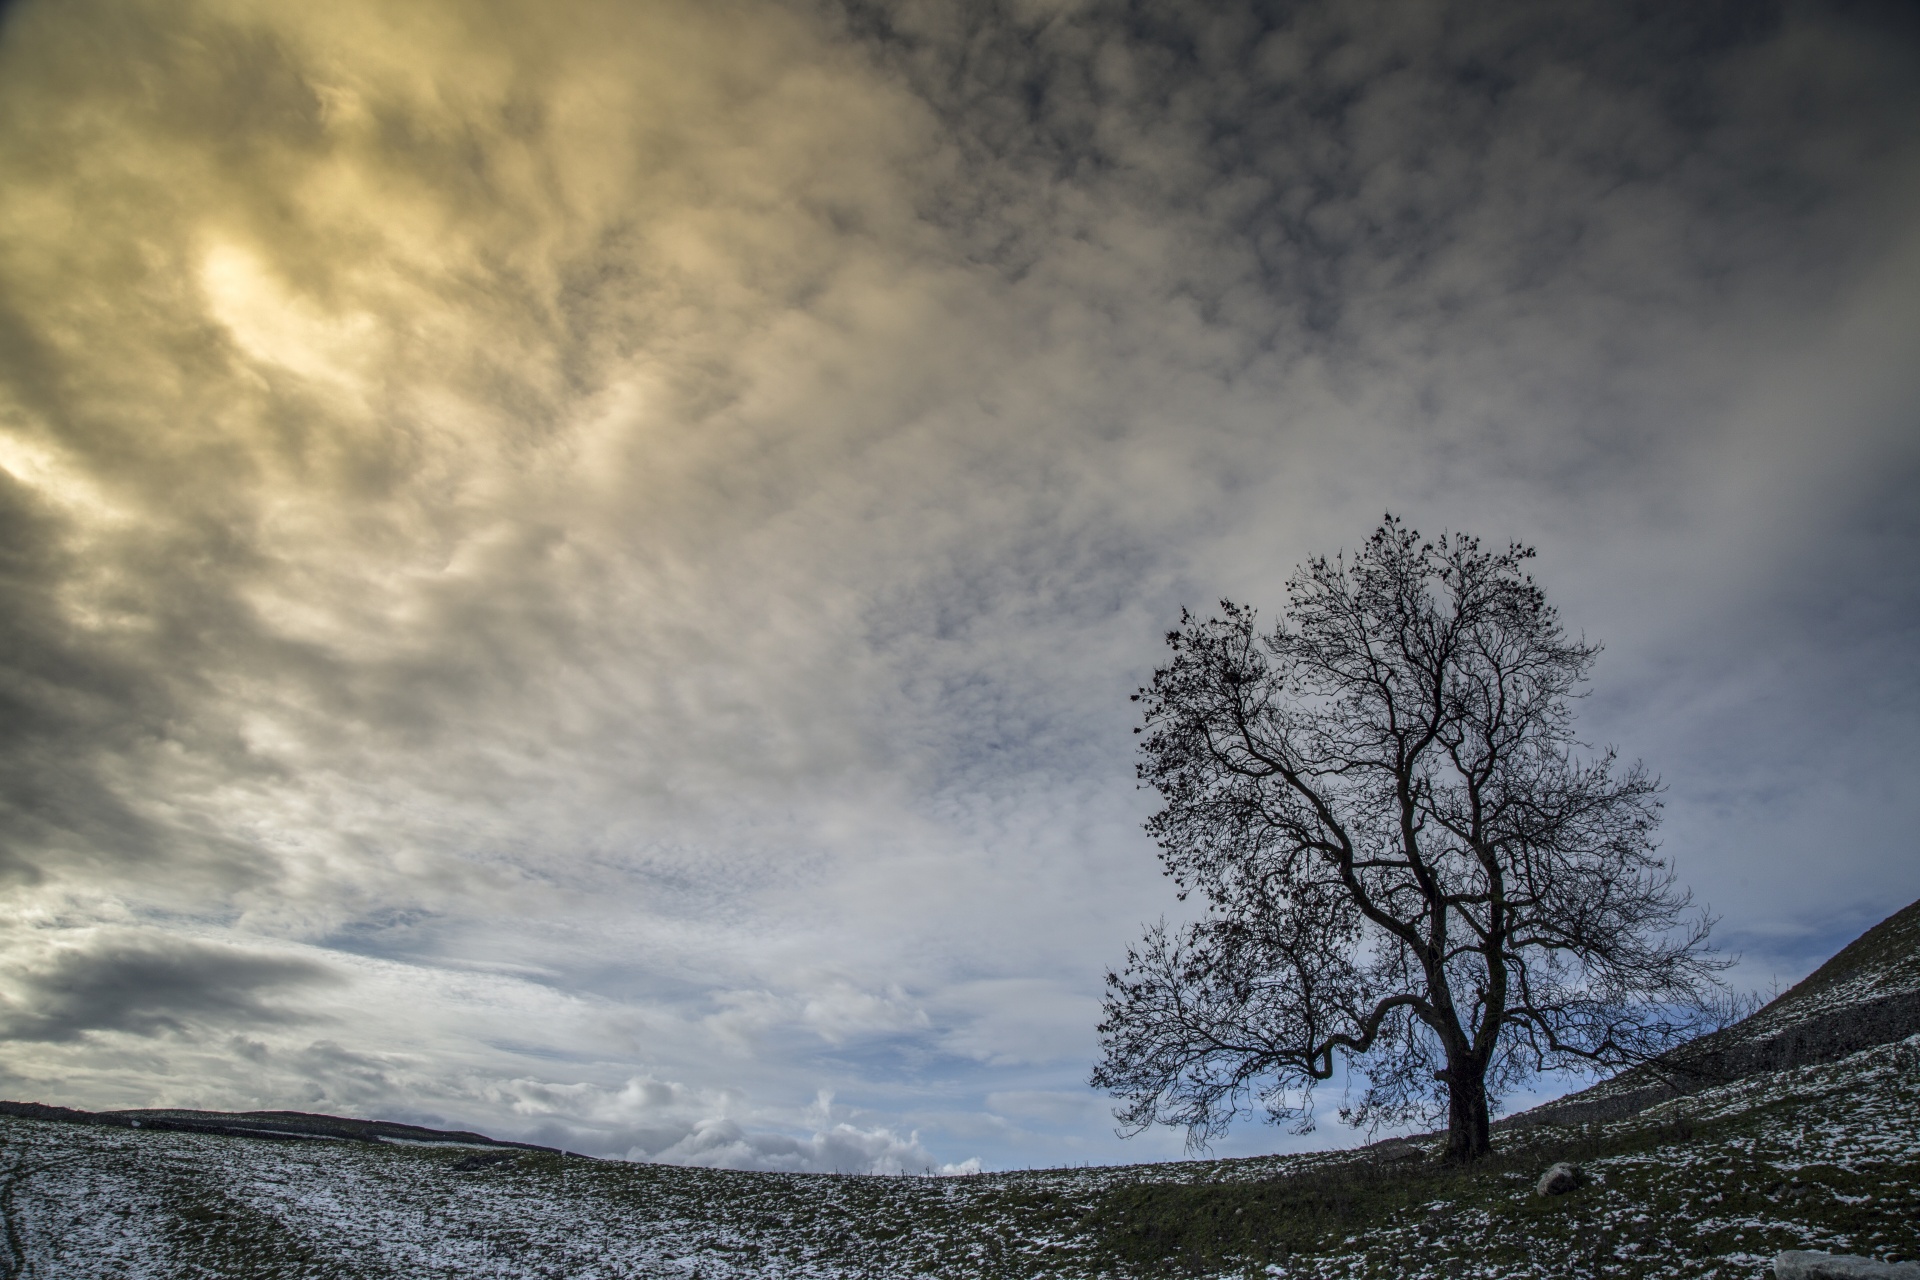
column 574, row 567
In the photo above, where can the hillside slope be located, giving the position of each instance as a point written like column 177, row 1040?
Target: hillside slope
column 1868, row 994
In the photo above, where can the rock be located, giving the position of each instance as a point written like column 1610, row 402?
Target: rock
column 1560, row 1179
column 1796, row 1264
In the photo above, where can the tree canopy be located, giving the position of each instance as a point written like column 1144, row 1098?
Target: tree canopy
column 1405, row 860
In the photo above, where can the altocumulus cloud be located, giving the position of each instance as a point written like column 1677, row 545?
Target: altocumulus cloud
column 575, row 568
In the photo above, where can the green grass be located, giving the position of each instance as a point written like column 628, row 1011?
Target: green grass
column 1675, row 1194
column 1889, row 947
column 1207, row 1225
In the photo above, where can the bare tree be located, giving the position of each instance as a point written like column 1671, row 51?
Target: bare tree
column 1404, row 861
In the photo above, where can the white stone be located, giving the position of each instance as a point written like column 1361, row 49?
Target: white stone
column 1560, row 1179
column 1796, row 1264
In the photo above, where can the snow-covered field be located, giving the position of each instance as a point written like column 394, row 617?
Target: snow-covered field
column 1713, row 1185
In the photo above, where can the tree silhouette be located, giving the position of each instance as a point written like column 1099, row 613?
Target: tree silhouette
column 1404, row 861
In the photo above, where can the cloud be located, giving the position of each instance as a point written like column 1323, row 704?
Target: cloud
column 723, row 1144
column 1049, row 1106
column 667, row 1122
column 148, row 986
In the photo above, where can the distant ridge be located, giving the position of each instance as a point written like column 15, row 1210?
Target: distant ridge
column 1868, row 994
column 292, row 1126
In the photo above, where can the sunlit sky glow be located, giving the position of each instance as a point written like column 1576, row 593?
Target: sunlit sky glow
column 574, row 568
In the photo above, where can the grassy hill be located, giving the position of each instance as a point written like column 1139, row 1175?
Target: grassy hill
column 1710, row 1180
column 1868, row 994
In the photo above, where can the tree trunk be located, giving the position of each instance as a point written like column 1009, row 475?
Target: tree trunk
column 1469, row 1133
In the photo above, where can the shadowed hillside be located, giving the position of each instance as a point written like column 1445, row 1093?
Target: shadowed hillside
column 1868, row 994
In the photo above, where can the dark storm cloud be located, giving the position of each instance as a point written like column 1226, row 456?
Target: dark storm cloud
column 78, row 706
column 1340, row 176
column 149, row 986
